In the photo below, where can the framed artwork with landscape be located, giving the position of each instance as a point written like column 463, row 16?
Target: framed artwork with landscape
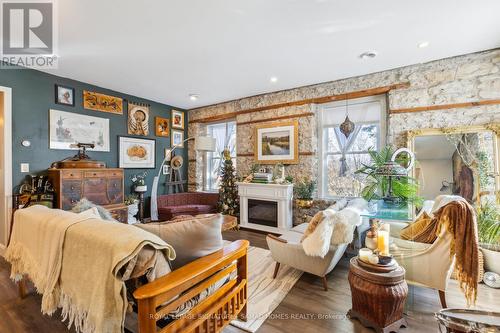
column 136, row 153
column 277, row 143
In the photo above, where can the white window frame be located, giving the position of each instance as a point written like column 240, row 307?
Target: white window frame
column 207, row 180
column 323, row 145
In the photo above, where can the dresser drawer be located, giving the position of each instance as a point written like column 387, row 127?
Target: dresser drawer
column 115, row 190
column 95, row 174
column 71, row 174
column 94, row 189
column 72, row 186
column 69, row 200
column 115, row 174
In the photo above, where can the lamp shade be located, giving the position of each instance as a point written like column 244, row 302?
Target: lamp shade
column 204, row 143
column 391, row 169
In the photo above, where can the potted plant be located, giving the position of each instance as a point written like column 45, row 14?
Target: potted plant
column 133, row 207
column 139, row 182
column 303, row 192
column 377, row 186
column 488, row 224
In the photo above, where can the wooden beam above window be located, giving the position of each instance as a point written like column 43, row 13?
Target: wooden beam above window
column 316, row 100
column 446, row 106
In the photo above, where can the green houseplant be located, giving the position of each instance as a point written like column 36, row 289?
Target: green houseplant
column 488, row 225
column 304, row 190
column 404, row 187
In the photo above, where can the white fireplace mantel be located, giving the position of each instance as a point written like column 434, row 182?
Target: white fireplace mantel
column 281, row 194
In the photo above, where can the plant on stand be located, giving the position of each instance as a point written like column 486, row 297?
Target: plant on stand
column 304, row 190
column 132, row 203
column 228, row 203
column 139, row 182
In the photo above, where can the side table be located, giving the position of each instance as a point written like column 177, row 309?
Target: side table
column 378, row 298
column 230, row 223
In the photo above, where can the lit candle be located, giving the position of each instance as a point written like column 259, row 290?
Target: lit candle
column 383, row 242
column 364, row 254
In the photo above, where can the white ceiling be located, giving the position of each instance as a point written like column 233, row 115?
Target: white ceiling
column 433, row 147
column 165, row 50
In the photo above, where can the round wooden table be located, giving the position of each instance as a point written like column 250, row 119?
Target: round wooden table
column 378, row 297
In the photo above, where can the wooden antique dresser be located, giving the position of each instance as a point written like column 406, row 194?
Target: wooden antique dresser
column 103, row 186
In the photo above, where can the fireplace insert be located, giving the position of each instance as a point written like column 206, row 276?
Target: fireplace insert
column 263, row 212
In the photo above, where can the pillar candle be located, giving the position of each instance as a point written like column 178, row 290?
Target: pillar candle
column 383, row 242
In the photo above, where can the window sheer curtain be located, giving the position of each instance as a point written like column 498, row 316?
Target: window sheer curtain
column 345, row 145
column 225, row 137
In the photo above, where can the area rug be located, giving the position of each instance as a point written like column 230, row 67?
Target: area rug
column 264, row 292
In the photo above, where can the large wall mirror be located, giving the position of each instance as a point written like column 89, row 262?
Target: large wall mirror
column 462, row 161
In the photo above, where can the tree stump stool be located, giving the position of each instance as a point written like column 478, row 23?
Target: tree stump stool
column 378, row 296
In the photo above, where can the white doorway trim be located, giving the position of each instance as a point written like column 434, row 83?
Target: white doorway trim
column 6, row 192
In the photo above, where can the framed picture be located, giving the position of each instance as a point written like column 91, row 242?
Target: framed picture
column 162, row 126
column 178, row 138
column 136, row 153
column 168, row 154
column 177, row 119
column 277, row 143
column 100, row 102
column 65, row 95
column 67, row 128
column 138, row 119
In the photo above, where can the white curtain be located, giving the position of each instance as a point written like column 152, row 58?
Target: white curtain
column 345, row 145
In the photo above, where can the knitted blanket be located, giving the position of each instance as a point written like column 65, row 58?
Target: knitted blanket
column 35, row 249
column 460, row 220
column 78, row 262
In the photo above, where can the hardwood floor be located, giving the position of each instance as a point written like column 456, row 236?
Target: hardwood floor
column 307, row 308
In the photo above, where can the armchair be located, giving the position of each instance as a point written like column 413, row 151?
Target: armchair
column 288, row 250
column 426, row 265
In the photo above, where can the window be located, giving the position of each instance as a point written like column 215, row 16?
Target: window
column 341, row 157
column 225, row 137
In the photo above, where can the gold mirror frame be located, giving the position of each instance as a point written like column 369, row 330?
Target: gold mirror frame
column 494, row 127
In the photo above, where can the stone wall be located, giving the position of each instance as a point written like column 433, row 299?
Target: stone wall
column 454, row 80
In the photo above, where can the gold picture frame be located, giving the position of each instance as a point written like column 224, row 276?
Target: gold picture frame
column 177, row 119
column 162, row 126
column 277, row 143
column 103, row 103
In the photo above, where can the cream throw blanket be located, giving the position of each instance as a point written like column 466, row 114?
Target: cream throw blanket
column 35, row 248
column 91, row 255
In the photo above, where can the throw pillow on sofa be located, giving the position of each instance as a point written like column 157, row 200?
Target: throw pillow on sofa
column 191, row 239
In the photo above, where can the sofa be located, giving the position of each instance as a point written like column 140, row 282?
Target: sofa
column 188, row 203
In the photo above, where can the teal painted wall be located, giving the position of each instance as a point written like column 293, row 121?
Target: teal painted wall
column 33, row 96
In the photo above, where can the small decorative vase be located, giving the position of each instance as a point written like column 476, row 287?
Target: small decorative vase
column 141, row 188
column 133, row 209
column 304, row 203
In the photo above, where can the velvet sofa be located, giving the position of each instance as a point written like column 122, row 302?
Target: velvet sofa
column 188, row 203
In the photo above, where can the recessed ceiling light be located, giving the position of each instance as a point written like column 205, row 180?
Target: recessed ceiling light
column 421, row 45
column 193, row 97
column 368, row 55
column 273, row 79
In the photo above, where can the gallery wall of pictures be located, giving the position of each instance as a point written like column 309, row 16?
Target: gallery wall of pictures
column 52, row 112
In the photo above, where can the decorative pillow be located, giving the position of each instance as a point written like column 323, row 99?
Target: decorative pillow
column 191, row 239
column 313, row 224
column 85, row 204
column 415, row 228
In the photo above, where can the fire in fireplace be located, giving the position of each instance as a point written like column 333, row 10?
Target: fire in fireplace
column 263, row 212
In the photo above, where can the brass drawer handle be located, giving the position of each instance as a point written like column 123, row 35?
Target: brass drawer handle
column 115, row 185
column 72, row 188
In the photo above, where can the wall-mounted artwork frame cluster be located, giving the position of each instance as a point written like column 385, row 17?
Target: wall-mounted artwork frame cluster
column 67, row 128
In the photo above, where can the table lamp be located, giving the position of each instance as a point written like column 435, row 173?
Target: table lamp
column 393, row 169
column 201, row 143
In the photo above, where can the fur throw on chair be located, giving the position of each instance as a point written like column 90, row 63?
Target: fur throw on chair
column 332, row 227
